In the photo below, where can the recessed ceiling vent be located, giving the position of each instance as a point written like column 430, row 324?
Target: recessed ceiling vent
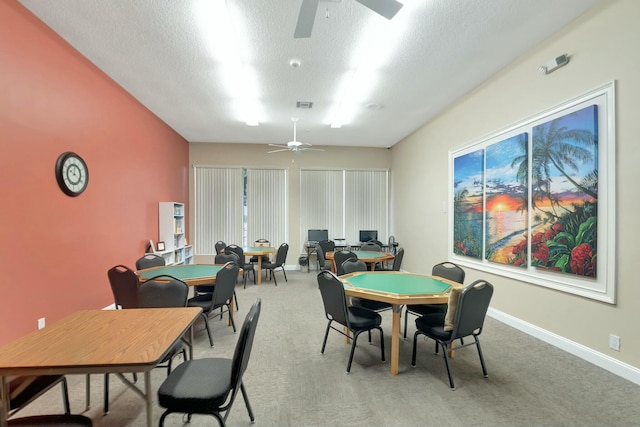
column 305, row 105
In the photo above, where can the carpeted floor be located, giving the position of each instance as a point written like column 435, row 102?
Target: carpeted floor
column 291, row 384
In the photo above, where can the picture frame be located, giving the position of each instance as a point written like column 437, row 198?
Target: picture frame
column 160, row 246
column 519, row 207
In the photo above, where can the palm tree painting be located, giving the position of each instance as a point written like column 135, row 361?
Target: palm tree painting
column 468, row 189
column 564, row 200
column 506, row 206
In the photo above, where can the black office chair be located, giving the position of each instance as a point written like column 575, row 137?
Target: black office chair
column 210, row 385
column 149, row 260
column 446, row 270
column 355, row 319
column 25, row 389
column 323, row 264
column 219, row 246
column 221, row 298
column 247, row 267
column 281, row 258
column 339, row 257
column 464, row 318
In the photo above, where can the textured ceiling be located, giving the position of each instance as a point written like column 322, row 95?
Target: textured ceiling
column 155, row 50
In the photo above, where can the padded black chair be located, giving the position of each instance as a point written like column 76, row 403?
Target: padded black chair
column 219, row 246
column 446, row 270
column 465, row 316
column 327, row 245
column 25, row 389
column 397, row 262
column 210, row 385
column 353, row 265
column 149, row 260
column 371, row 246
column 247, row 267
column 355, row 319
column 158, row 292
column 67, row 420
column 323, row 264
column 221, row 298
column 281, row 258
column 339, row 257
column 124, row 286
column 223, row 259
column 260, row 243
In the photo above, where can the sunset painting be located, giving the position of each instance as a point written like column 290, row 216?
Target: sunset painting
column 507, row 201
column 564, row 199
column 468, row 189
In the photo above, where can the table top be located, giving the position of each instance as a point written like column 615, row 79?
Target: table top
column 397, row 287
column 192, row 274
column 367, row 255
column 99, row 341
column 258, row 250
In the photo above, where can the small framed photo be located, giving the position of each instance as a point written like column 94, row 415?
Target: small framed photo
column 160, row 247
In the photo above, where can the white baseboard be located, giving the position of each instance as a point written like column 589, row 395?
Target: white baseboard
column 601, row 360
column 110, row 307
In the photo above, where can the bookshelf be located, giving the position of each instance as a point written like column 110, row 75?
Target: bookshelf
column 171, row 231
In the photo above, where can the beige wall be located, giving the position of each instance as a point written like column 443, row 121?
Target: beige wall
column 603, row 46
column 254, row 155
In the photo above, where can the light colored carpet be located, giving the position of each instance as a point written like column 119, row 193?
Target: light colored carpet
column 290, row 383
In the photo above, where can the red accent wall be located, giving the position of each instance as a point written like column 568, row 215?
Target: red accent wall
column 55, row 250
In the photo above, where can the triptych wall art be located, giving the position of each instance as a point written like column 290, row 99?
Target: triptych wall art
column 536, row 202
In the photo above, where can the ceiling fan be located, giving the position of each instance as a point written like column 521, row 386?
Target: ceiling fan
column 307, row 15
column 295, row 145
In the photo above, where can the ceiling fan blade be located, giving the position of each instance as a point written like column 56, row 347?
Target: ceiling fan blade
column 310, row 149
column 386, row 8
column 279, row 146
column 277, row 151
column 305, row 19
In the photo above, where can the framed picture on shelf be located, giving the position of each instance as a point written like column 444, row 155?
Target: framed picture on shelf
column 161, row 246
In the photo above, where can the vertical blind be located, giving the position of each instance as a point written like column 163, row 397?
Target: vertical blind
column 344, row 202
column 233, row 210
column 267, row 206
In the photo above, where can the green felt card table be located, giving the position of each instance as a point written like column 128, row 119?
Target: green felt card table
column 371, row 257
column 259, row 252
column 398, row 289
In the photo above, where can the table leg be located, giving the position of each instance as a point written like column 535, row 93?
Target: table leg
column 395, row 338
column 147, row 391
column 259, row 272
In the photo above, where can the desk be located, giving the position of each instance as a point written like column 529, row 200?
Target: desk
column 191, row 274
column 99, row 341
column 258, row 251
column 366, row 256
column 397, row 289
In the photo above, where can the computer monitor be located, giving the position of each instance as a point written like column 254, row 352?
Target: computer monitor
column 366, row 235
column 317, row 235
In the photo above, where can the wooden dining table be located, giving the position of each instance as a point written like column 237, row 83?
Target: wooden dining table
column 100, row 341
column 370, row 257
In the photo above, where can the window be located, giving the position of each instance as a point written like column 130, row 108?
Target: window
column 238, row 205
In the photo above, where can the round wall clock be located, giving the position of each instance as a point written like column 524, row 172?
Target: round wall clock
column 72, row 174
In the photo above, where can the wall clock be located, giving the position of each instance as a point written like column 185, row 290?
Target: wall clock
column 72, row 174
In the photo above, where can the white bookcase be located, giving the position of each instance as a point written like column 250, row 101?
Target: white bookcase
column 171, row 231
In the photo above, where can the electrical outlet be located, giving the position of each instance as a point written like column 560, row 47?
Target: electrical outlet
column 614, row 342
column 41, row 323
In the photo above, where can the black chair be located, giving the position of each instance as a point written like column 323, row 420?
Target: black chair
column 219, row 246
column 260, row 243
column 371, row 246
column 323, row 264
column 281, row 258
column 465, row 317
column 62, row 420
column 397, row 262
column 124, row 286
column 247, row 267
column 210, row 385
column 221, row 298
column 352, row 265
column 158, row 292
column 223, row 259
column 25, row 389
column 446, row 270
column 339, row 257
column 149, row 260
column 327, row 245
column 355, row 319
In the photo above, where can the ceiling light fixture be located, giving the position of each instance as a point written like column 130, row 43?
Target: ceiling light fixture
column 379, row 40
column 223, row 34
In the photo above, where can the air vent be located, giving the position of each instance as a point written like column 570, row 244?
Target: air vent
column 305, row 105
